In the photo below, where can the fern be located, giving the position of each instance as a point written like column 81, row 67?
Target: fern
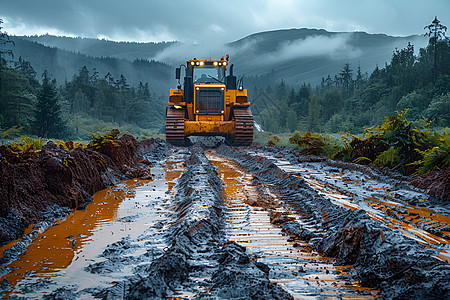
column 12, row 132
column 99, row 140
column 388, row 157
column 435, row 158
column 273, row 141
column 362, row 160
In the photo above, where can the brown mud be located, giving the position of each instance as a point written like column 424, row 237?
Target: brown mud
column 293, row 263
column 339, row 223
column 252, row 223
column 100, row 245
column 66, row 178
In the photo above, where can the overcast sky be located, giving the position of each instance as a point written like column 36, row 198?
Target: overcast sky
column 203, row 21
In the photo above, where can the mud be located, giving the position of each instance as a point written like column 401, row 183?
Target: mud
column 66, row 178
column 99, row 246
column 200, row 263
column 291, row 262
column 384, row 258
column 436, row 183
column 300, row 227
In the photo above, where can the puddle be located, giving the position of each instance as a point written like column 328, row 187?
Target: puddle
column 126, row 211
column 293, row 264
column 354, row 190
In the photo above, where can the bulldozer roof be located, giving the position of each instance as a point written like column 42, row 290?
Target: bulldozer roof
column 201, row 62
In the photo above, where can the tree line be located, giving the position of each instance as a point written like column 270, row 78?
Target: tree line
column 351, row 100
column 50, row 110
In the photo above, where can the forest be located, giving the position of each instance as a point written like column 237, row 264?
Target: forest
column 351, row 100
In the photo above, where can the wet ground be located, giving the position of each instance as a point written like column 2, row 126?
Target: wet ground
column 251, row 225
column 124, row 220
column 383, row 199
column 293, row 264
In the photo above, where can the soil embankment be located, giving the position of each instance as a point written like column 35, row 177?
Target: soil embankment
column 30, row 187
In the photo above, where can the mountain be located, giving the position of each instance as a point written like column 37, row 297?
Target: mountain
column 294, row 55
column 63, row 65
column 307, row 55
column 102, row 47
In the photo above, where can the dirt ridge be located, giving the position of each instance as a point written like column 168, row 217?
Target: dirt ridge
column 198, row 248
column 58, row 176
column 384, row 258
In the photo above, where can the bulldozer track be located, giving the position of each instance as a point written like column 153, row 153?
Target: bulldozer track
column 175, row 126
column 244, row 127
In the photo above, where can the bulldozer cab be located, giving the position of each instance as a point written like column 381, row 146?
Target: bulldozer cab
column 208, row 74
column 209, row 103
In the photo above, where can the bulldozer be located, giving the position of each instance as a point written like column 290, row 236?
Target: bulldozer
column 210, row 103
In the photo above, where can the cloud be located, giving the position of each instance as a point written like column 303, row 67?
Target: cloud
column 181, row 52
column 18, row 27
column 335, row 48
column 212, row 22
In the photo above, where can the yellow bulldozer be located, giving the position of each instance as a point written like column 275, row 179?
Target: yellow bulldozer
column 210, row 103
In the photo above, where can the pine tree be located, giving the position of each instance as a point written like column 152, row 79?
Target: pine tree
column 48, row 121
column 436, row 31
column 346, row 80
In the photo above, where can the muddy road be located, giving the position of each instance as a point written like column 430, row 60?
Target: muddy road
column 238, row 223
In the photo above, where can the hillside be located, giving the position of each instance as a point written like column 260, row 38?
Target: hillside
column 295, row 55
column 307, row 55
column 63, row 65
column 101, row 47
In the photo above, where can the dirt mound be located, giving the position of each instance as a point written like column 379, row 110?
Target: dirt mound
column 58, row 176
column 436, row 183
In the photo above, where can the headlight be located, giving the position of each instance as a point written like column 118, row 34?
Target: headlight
column 192, row 63
column 224, row 63
column 201, row 63
column 216, row 63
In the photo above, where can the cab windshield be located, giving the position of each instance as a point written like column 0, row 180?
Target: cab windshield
column 209, row 74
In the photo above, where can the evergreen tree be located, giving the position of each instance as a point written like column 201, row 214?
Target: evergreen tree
column 291, row 120
column 314, row 110
column 436, row 31
column 48, row 121
column 346, row 81
column 359, row 78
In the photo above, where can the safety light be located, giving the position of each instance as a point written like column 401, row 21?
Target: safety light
column 197, row 111
column 177, row 106
column 197, row 88
column 223, row 89
column 221, row 111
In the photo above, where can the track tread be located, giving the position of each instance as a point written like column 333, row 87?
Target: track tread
column 175, row 126
column 244, row 127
